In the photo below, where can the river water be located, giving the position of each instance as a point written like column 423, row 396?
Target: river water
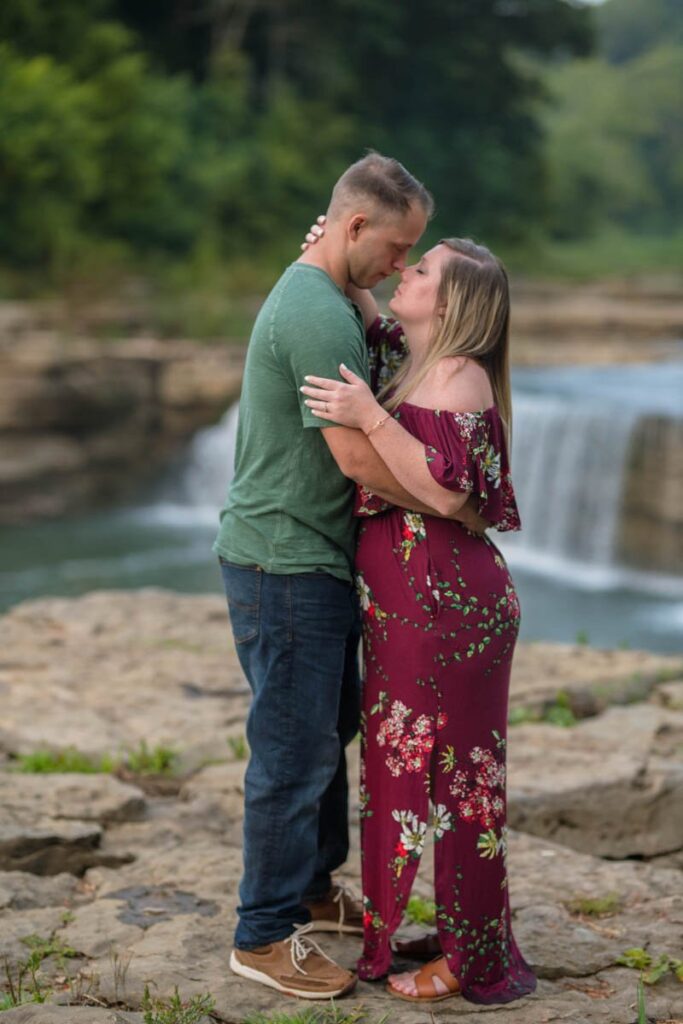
column 571, row 437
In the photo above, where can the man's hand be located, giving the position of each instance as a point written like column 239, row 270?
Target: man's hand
column 469, row 516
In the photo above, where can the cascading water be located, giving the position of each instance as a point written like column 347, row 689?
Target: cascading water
column 194, row 490
column 568, row 466
column 575, row 433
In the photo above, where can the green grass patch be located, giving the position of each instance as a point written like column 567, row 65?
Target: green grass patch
column 175, row 1010
column 43, row 948
column 328, row 1014
column 652, row 967
column 238, row 748
column 22, row 984
column 8, row 1001
column 145, row 760
column 45, row 762
column 599, row 906
column 669, row 675
column 558, row 713
column 421, row 911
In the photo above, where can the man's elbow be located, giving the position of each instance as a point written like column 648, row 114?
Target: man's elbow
column 350, row 465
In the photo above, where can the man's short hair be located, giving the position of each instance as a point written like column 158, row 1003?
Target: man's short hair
column 384, row 182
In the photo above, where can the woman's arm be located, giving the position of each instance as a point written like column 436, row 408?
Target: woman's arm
column 352, row 404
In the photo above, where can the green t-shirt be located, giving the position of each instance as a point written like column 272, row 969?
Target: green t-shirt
column 289, row 508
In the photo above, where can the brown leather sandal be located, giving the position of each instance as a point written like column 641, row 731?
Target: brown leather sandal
column 425, row 948
column 424, row 983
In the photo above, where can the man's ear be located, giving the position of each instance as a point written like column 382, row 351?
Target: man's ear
column 356, row 225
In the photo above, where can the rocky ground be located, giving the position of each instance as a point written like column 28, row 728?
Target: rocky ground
column 130, row 881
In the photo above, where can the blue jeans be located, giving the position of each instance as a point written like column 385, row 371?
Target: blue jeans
column 297, row 640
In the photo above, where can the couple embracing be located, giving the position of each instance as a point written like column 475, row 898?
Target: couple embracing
column 371, row 456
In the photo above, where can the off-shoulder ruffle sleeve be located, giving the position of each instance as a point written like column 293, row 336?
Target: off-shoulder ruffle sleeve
column 470, row 454
column 387, row 348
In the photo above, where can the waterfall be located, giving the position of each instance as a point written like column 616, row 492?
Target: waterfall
column 193, row 491
column 597, row 464
column 209, row 464
column 568, row 466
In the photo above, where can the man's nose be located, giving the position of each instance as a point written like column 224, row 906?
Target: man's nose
column 399, row 263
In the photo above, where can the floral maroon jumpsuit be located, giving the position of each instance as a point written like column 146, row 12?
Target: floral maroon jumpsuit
column 440, row 620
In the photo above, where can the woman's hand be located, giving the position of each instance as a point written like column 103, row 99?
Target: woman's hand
column 352, row 403
column 363, row 298
column 315, row 232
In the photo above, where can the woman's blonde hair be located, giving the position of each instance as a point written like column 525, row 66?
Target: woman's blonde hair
column 475, row 298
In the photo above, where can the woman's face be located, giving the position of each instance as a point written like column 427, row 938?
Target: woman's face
column 414, row 301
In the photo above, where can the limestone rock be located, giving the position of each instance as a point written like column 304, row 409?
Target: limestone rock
column 76, row 797
column 51, row 823
column 600, row 786
column 161, row 667
column 670, row 694
column 84, row 419
column 22, row 891
column 157, row 902
column 151, row 666
column 14, row 927
column 47, row 847
column 590, row 679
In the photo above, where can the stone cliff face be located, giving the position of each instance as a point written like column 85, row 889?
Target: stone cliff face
column 651, row 535
column 652, row 518
column 82, row 422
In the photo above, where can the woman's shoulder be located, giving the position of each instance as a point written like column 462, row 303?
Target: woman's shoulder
column 460, row 384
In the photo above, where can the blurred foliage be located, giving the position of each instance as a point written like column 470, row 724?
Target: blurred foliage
column 615, row 142
column 177, row 138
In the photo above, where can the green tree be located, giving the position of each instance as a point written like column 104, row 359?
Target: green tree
column 629, row 28
column 614, row 140
column 49, row 168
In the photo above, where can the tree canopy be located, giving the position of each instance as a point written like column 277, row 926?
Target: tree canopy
column 156, row 129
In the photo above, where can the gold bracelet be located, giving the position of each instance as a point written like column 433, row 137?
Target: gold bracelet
column 380, row 423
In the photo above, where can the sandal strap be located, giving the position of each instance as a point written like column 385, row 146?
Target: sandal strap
column 424, row 979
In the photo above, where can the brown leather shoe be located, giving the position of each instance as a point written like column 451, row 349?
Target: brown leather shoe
column 296, row 966
column 339, row 911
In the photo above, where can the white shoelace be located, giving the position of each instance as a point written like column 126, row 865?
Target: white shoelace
column 303, row 947
column 342, row 891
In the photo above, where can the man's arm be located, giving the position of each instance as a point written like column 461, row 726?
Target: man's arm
column 359, row 461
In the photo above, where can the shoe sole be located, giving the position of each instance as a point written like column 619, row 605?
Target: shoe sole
column 265, row 979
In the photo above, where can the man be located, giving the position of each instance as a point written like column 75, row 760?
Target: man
column 286, row 545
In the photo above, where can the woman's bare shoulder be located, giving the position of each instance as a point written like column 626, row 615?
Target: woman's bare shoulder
column 461, row 384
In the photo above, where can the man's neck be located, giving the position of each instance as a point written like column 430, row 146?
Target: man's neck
column 327, row 256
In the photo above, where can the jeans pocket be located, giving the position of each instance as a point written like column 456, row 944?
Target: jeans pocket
column 243, row 590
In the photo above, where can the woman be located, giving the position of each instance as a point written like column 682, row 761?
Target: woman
column 440, row 620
